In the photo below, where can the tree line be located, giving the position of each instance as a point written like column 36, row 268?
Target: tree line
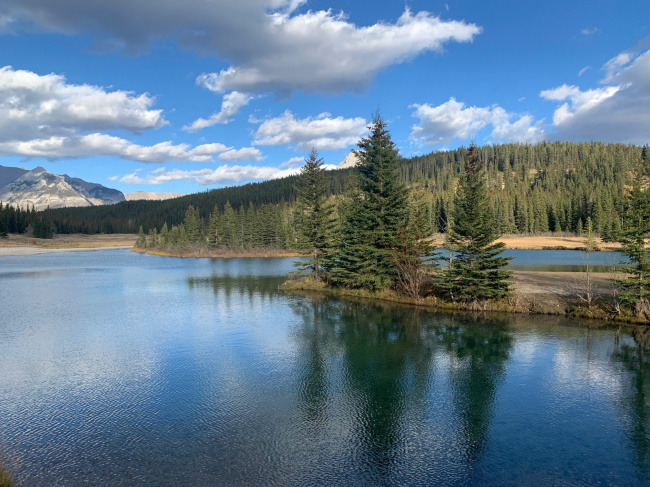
column 13, row 219
column 267, row 227
column 547, row 187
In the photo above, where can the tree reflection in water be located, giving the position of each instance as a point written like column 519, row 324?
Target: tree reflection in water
column 634, row 355
column 478, row 349
column 388, row 366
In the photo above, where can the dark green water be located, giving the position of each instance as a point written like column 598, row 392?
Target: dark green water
column 126, row 369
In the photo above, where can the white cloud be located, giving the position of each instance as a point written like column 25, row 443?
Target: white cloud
column 224, row 174
column 583, row 70
column 269, row 44
column 524, row 129
column 616, row 113
column 323, row 52
column 579, row 101
column 614, row 65
column 321, row 133
column 132, row 178
column 590, row 32
column 243, row 154
column 293, row 162
column 106, row 145
column 230, row 106
column 452, row 120
column 34, row 106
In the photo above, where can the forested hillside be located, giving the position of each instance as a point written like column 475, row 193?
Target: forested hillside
column 532, row 188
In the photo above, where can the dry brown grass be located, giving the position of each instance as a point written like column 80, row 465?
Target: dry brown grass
column 75, row 241
column 541, row 242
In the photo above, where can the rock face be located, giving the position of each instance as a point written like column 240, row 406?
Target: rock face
column 144, row 195
column 350, row 160
column 41, row 189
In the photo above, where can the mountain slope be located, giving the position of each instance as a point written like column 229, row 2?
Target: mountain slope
column 41, row 189
column 9, row 174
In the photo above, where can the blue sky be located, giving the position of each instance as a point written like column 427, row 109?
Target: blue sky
column 188, row 95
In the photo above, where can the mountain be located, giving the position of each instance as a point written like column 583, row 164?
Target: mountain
column 145, row 195
column 41, row 189
column 350, row 160
column 9, row 174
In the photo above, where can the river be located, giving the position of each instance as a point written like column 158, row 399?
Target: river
column 119, row 368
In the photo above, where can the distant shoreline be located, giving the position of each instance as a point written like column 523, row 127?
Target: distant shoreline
column 17, row 245
column 20, row 251
column 219, row 254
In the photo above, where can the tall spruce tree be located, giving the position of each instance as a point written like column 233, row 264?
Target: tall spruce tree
column 635, row 237
column 141, row 242
column 476, row 272
column 312, row 214
column 377, row 215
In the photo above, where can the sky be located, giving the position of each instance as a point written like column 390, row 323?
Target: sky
column 189, row 95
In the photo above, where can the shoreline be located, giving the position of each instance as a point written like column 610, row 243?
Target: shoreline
column 534, row 293
column 25, row 251
column 17, row 245
column 208, row 254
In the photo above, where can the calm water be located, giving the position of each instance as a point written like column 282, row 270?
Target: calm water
column 127, row 369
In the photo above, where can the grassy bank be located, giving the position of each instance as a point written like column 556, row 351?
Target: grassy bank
column 73, row 241
column 534, row 293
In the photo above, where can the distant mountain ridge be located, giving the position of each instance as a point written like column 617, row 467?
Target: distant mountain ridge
column 41, row 189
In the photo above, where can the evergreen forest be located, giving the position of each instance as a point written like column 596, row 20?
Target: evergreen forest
column 531, row 189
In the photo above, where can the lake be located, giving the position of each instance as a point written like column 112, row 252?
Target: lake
column 128, row 369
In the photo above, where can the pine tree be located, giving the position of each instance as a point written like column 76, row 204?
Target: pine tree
column 164, row 236
column 635, row 236
column 377, row 217
column 476, row 272
column 153, row 238
column 414, row 257
column 312, row 214
column 213, row 224
column 141, row 242
column 193, row 224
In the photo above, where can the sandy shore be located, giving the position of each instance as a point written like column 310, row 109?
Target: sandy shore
column 21, row 245
column 544, row 242
column 17, row 251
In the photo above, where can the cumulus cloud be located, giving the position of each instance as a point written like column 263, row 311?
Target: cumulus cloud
column 225, row 174
column 230, row 106
column 616, row 113
column 293, row 162
column 34, row 106
column 323, row 52
column 132, row 178
column 321, row 133
column 270, row 46
column 243, row 154
column 453, row 120
column 98, row 144
column 45, row 116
